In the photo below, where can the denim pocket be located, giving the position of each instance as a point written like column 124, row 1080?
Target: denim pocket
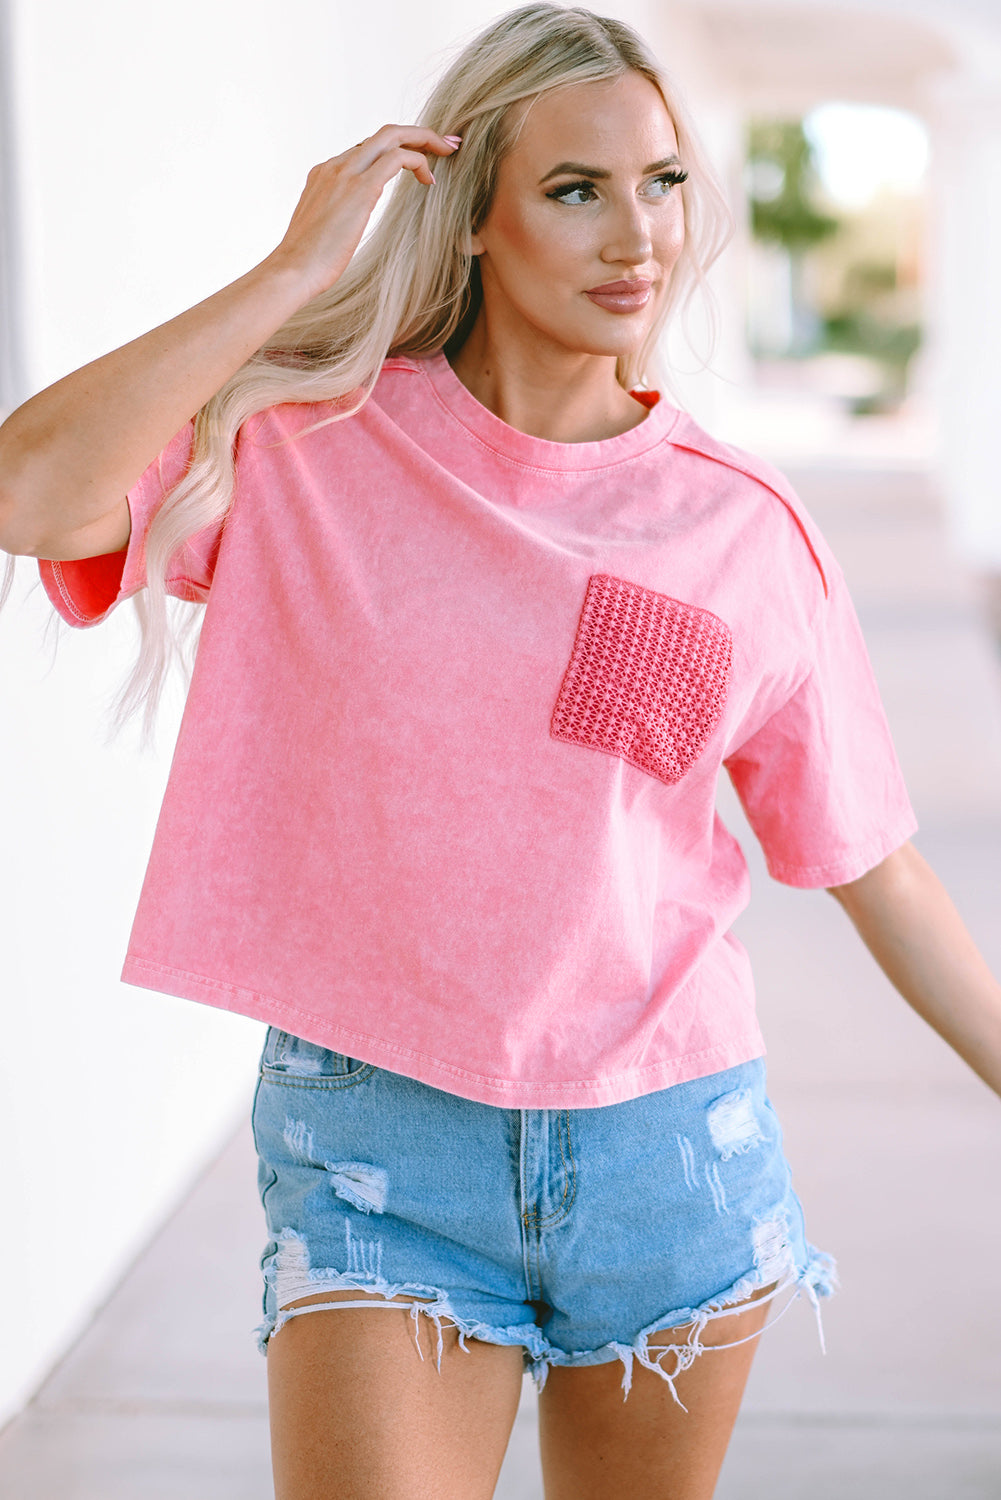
column 288, row 1058
column 647, row 679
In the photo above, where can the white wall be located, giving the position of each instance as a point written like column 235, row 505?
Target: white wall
column 161, row 152
column 965, row 118
column 157, row 160
column 110, row 1098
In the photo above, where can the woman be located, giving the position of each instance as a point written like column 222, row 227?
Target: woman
column 484, row 622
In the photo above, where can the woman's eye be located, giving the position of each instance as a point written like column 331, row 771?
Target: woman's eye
column 669, row 180
column 661, row 185
column 574, row 187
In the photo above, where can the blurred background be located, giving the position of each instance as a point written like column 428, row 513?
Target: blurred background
column 149, row 155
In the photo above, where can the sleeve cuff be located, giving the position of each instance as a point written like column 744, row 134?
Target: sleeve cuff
column 851, row 865
column 84, row 591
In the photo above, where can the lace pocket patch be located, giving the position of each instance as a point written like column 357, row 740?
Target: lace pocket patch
column 647, row 679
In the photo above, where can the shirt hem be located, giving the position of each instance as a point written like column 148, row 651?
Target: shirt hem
column 436, row 1073
column 851, row 866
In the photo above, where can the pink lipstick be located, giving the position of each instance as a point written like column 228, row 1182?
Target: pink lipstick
column 621, row 296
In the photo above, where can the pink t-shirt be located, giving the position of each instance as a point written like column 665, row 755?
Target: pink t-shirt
column 443, row 796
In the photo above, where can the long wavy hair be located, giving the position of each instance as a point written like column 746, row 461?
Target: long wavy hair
column 413, row 286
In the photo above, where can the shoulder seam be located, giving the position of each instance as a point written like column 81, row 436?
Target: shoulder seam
column 738, row 468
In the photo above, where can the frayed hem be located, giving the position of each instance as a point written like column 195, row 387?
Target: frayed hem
column 818, row 1278
column 290, row 1277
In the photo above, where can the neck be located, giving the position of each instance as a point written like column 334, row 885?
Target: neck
column 562, row 395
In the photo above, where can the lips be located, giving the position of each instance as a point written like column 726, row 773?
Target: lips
column 621, row 296
column 618, row 288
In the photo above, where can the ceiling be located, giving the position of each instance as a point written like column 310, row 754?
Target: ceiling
column 796, row 53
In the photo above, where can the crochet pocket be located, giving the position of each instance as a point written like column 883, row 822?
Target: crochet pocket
column 647, row 679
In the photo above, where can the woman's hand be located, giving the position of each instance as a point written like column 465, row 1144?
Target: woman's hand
column 340, row 195
column 70, row 454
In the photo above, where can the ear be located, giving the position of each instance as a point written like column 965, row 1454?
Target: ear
column 474, row 245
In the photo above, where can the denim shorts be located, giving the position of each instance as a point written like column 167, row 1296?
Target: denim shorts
column 576, row 1233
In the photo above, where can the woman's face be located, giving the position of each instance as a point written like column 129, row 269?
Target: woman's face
column 588, row 196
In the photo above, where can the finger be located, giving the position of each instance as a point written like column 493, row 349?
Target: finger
column 409, row 137
column 412, row 161
column 413, row 135
column 390, row 163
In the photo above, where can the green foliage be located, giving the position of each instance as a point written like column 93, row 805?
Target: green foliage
column 893, row 344
column 847, row 298
column 871, row 321
column 783, row 184
column 867, row 280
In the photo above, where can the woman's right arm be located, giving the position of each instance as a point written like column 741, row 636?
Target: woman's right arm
column 69, row 455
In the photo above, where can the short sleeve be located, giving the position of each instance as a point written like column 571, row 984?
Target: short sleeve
column 819, row 780
column 86, row 590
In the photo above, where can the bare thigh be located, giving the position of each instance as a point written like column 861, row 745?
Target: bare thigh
column 355, row 1412
column 595, row 1446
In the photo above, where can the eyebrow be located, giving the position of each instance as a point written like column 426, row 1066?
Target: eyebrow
column 582, row 171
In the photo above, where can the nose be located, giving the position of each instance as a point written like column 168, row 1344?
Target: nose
column 631, row 241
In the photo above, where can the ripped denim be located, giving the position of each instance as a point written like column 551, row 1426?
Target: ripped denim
column 578, row 1234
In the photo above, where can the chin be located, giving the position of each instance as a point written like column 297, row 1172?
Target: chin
column 587, row 337
column 612, row 348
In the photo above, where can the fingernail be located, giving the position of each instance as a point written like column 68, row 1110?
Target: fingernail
column 431, row 175
column 454, row 139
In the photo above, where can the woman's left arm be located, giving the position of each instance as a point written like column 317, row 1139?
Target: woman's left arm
column 906, row 919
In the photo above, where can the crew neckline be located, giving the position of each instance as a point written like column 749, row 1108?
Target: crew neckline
column 534, row 451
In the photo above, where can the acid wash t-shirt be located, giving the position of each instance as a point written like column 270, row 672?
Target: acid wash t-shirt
column 443, row 797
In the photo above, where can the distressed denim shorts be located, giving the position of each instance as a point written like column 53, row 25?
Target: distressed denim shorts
column 576, row 1233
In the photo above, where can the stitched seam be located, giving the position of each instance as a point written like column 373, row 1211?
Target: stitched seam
column 542, row 468
column 587, row 1085
column 530, row 1229
column 327, row 1082
column 256, row 1138
column 852, row 856
column 68, row 601
column 748, row 473
column 64, row 594
column 533, row 1286
column 532, row 1215
column 183, row 578
column 569, row 1175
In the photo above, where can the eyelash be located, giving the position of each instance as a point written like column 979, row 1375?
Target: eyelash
column 675, row 178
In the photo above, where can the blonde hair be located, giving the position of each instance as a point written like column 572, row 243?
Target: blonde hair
column 413, row 286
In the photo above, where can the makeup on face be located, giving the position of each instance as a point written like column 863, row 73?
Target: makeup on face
column 621, row 296
column 629, row 294
column 586, row 221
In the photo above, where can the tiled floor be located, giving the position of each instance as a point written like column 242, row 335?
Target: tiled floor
column 895, row 1146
